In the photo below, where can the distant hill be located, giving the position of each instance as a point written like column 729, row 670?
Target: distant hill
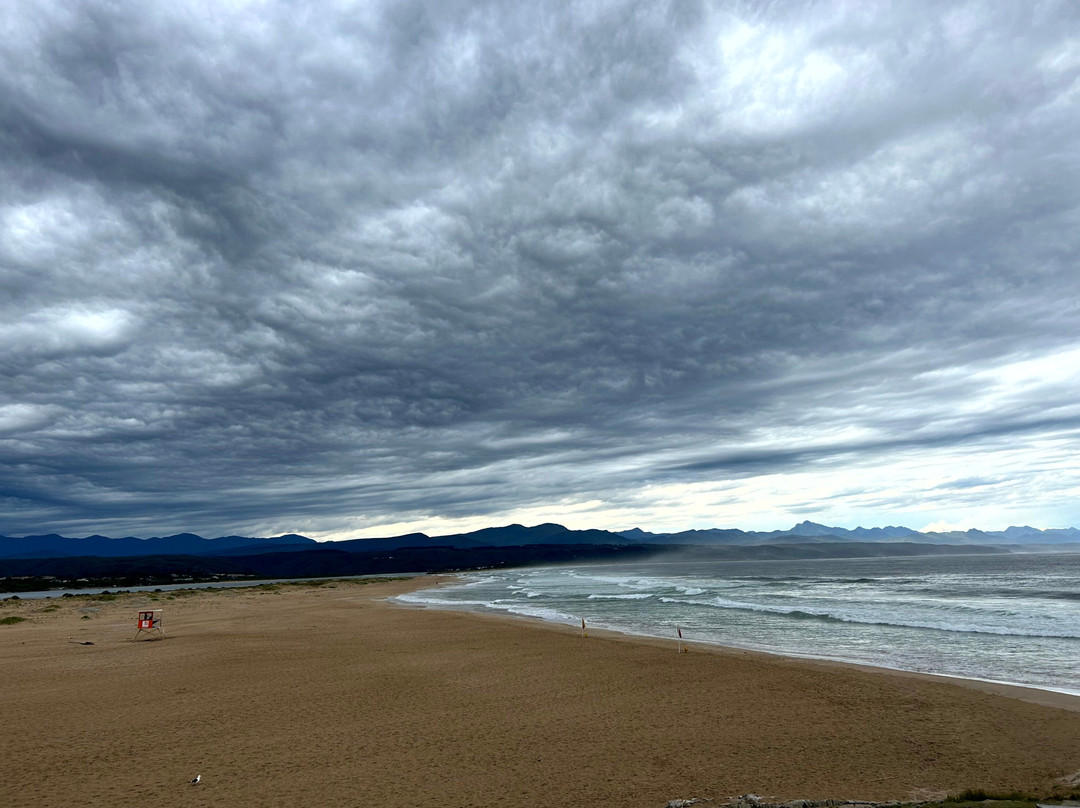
column 813, row 532
column 804, row 533
column 54, row 546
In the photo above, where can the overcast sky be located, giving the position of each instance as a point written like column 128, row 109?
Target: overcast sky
column 360, row 269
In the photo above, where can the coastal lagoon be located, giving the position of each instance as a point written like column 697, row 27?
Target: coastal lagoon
column 1002, row 618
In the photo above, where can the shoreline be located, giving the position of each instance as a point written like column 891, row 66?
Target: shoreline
column 1030, row 693
column 332, row 693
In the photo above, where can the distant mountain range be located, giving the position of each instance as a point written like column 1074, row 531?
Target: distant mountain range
column 813, row 532
column 51, row 561
column 189, row 544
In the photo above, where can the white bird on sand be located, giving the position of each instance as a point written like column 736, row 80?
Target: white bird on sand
column 195, row 782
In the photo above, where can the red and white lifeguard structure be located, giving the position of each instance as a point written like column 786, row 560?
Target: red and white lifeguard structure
column 150, row 620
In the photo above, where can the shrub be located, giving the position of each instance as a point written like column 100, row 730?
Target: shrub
column 970, row 795
column 982, row 795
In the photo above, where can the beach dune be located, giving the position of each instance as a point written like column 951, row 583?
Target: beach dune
column 329, row 696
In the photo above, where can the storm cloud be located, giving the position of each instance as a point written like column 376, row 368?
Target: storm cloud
column 353, row 269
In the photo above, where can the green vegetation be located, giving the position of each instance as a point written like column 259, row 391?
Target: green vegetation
column 981, row 795
column 12, row 620
column 184, row 593
column 329, row 583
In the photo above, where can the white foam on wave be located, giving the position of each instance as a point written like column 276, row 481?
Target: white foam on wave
column 540, row 612
column 629, row 581
column 632, row 596
column 517, row 607
column 468, row 583
column 418, row 598
column 825, row 614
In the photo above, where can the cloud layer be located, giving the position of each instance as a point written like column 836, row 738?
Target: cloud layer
column 347, row 269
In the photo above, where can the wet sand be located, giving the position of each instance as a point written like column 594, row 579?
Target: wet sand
column 329, row 696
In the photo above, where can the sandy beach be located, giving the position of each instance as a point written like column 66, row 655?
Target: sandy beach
column 330, row 696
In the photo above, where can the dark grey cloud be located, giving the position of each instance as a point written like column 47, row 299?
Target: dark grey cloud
column 343, row 269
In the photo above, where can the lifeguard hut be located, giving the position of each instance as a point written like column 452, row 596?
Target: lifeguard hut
column 150, row 620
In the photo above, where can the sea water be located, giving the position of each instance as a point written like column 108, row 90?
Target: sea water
column 1011, row 618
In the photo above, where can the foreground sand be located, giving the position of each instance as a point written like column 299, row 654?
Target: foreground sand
column 330, row 697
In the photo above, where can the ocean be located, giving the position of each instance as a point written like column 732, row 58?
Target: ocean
column 1003, row 618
